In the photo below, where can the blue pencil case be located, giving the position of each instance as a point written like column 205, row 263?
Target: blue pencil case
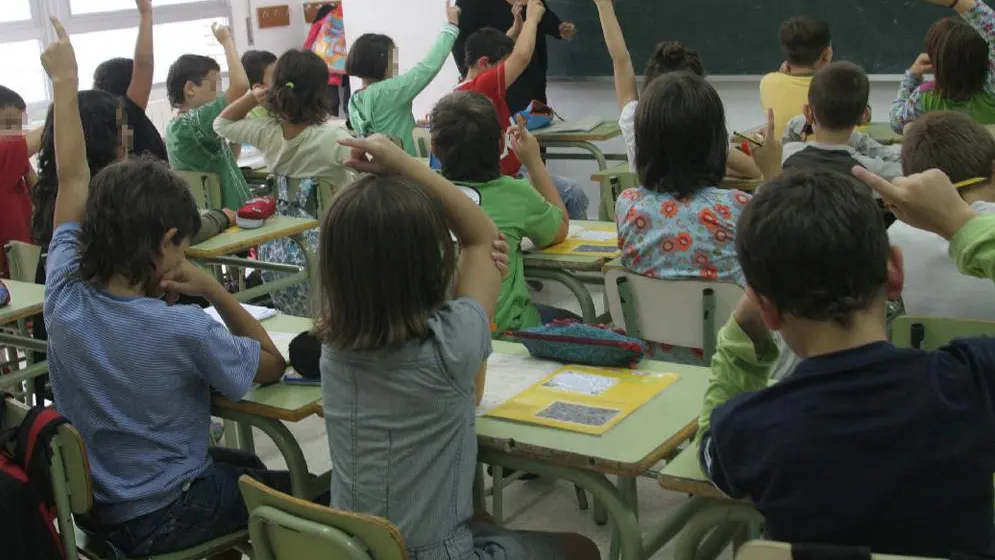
column 574, row 342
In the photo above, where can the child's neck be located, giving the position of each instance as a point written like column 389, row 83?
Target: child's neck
column 472, row 73
column 809, row 338
column 121, row 286
column 368, row 83
column 982, row 193
column 801, row 70
column 832, row 137
column 291, row 130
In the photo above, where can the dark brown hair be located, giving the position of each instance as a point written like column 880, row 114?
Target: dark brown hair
column 838, row 95
column 959, row 56
column 804, row 39
column 672, row 56
column 466, row 137
column 387, row 261
column 951, row 142
column 369, row 56
column 300, row 88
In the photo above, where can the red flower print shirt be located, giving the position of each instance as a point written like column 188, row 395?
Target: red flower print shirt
column 663, row 237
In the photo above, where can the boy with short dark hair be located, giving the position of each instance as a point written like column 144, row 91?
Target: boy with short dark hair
column 837, row 103
column 956, row 144
column 807, row 46
column 855, row 447
column 133, row 373
column 468, row 141
column 259, row 67
column 494, row 62
column 192, row 87
column 16, row 174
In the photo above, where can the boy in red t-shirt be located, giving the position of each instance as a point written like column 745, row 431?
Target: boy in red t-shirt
column 495, row 61
column 16, row 174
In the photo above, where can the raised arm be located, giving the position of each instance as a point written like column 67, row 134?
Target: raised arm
column 412, row 82
column 73, row 172
column 625, row 75
column 467, row 25
column 907, row 106
column 981, row 17
column 140, row 88
column 526, row 147
column 517, row 13
column 232, row 125
column 478, row 278
column 526, row 44
column 238, row 81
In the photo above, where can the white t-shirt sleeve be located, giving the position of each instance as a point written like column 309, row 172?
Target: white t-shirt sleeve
column 627, row 124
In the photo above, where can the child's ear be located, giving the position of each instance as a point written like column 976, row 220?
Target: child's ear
column 827, row 55
column 896, row 273
column 769, row 312
column 809, row 114
column 168, row 240
column 866, row 117
column 483, row 63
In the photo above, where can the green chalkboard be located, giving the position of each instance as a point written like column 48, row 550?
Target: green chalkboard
column 740, row 36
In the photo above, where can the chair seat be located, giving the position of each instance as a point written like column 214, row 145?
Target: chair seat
column 94, row 547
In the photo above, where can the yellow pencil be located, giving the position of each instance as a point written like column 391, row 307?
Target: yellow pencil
column 969, row 182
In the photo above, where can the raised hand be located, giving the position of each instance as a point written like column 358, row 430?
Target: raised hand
column 376, row 154
column 222, row 33
column 59, row 58
column 768, row 156
column 525, row 146
column 144, row 6
column 922, row 65
column 452, row 13
column 927, row 200
column 535, row 10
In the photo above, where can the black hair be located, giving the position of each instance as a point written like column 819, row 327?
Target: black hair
column 102, row 117
column 814, row 244
column 672, row 56
column 188, row 68
column 255, row 64
column 959, row 57
column 838, row 95
column 300, row 88
column 386, row 261
column 804, row 39
column 681, row 138
column 466, row 137
column 132, row 205
column 487, row 43
column 114, row 75
column 322, row 12
column 10, row 98
column 369, row 56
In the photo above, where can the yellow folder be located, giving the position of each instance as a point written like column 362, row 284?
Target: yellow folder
column 584, row 399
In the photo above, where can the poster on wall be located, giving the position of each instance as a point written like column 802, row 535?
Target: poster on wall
column 329, row 43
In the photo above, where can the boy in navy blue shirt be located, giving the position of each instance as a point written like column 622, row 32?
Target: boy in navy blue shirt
column 865, row 444
column 131, row 372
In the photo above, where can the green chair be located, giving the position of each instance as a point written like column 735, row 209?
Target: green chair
column 678, row 312
column 423, row 141
column 73, row 490
column 611, row 187
column 205, row 188
column 321, row 198
column 930, row 333
column 282, row 527
column 771, row 550
column 22, row 259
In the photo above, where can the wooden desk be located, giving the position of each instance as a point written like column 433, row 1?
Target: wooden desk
column 635, row 444
column 237, row 239
column 542, row 265
column 882, row 132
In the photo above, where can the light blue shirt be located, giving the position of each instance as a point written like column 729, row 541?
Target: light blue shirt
column 134, row 376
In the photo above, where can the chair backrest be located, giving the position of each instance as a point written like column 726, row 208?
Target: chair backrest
column 678, row 312
column 22, row 259
column 771, row 550
column 423, row 141
column 282, row 527
column 205, row 188
column 322, row 198
column 930, row 333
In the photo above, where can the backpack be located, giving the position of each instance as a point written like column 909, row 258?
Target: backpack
column 27, row 503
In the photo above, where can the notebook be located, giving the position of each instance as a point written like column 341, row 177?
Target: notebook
column 258, row 312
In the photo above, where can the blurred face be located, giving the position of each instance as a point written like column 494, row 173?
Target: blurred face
column 171, row 254
column 393, row 63
column 198, row 95
column 11, row 119
column 127, row 135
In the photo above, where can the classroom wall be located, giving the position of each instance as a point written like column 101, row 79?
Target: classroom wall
column 414, row 26
column 276, row 40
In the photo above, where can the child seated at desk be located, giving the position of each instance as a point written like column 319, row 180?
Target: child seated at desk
column 131, row 372
column 960, row 147
column 297, row 144
column 192, row 88
column 865, row 443
column 401, row 365
column 468, row 142
column 670, row 56
column 960, row 53
column 495, row 61
column 383, row 106
column 807, row 46
column 16, row 174
column 259, row 67
column 837, row 103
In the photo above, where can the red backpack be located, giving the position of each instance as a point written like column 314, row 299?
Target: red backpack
column 27, row 503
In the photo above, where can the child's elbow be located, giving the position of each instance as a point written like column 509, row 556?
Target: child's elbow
column 271, row 368
column 563, row 232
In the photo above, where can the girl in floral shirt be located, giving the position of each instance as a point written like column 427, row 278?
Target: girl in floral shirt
column 679, row 225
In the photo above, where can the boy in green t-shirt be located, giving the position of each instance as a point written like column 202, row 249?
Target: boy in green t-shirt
column 192, row 87
column 469, row 142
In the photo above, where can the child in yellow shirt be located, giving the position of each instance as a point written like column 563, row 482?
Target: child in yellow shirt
column 807, row 46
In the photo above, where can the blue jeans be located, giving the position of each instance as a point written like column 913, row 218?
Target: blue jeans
column 548, row 314
column 211, row 507
column 574, row 197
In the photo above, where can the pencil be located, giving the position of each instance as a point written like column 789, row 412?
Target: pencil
column 969, row 182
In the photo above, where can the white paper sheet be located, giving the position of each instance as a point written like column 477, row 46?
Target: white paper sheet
column 581, row 382
column 259, row 313
column 578, row 125
column 509, row 375
column 572, row 231
column 592, row 235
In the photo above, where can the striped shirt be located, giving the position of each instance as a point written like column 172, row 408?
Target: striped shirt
column 134, row 376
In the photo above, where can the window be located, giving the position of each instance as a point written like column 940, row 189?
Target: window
column 100, row 29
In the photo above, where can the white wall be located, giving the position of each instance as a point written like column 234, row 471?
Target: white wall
column 277, row 39
column 414, row 25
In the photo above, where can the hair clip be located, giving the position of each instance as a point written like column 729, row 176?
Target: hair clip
column 289, row 85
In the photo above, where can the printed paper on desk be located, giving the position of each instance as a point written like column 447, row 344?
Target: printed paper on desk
column 509, row 375
column 257, row 312
column 584, row 399
column 579, row 125
column 580, row 247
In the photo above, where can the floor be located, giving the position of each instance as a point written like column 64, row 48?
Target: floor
column 546, row 504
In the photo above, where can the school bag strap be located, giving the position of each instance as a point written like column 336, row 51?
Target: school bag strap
column 33, row 451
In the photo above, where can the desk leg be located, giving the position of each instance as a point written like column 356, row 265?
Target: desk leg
column 714, row 514
column 497, row 494
column 587, row 310
column 627, row 490
column 300, row 478
column 605, row 212
column 623, row 519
